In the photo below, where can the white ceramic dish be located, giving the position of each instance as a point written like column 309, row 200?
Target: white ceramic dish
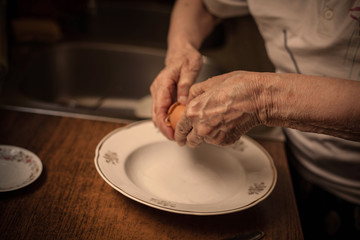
column 142, row 164
column 18, row 167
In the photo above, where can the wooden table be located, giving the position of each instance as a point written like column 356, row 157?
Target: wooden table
column 71, row 201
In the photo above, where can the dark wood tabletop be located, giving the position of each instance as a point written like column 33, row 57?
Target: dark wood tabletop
column 70, row 200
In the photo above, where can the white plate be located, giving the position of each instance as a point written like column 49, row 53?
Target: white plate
column 142, row 164
column 18, row 167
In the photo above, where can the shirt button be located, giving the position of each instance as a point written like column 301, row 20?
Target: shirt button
column 328, row 14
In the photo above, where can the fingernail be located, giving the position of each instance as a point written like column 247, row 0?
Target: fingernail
column 182, row 100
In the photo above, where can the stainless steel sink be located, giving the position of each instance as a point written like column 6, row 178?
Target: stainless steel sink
column 93, row 79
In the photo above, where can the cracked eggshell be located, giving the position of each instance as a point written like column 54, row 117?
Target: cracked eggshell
column 175, row 111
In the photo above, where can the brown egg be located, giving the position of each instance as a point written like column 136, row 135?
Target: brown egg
column 175, row 111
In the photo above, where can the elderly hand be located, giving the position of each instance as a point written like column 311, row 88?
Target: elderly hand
column 221, row 109
column 182, row 67
column 225, row 107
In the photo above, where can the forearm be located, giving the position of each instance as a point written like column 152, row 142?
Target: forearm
column 312, row 103
column 190, row 24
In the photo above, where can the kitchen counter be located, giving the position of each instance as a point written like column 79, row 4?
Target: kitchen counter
column 70, row 200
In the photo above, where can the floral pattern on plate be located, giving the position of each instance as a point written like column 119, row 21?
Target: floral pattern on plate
column 18, row 167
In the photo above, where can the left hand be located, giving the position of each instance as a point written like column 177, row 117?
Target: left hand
column 183, row 64
column 220, row 110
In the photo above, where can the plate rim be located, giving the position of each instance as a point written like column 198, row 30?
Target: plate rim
column 174, row 210
column 26, row 183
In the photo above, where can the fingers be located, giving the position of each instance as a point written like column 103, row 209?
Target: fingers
column 174, row 81
column 193, row 139
column 204, row 119
column 189, row 72
column 162, row 91
column 167, row 131
column 183, row 87
column 214, row 107
column 200, row 88
column 159, row 121
column 183, row 128
column 186, row 134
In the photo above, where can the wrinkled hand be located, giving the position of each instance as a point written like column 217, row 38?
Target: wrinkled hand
column 220, row 110
column 174, row 81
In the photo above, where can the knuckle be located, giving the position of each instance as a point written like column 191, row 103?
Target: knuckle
column 194, row 140
column 194, row 63
column 197, row 57
column 184, row 84
column 193, row 143
column 196, row 89
column 204, row 130
column 192, row 113
column 183, row 128
column 180, row 130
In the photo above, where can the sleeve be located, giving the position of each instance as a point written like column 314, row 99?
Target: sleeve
column 227, row 8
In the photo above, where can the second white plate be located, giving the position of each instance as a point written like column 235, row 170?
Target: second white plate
column 18, row 167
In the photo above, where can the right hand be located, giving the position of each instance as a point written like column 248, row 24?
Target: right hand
column 182, row 66
column 223, row 108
